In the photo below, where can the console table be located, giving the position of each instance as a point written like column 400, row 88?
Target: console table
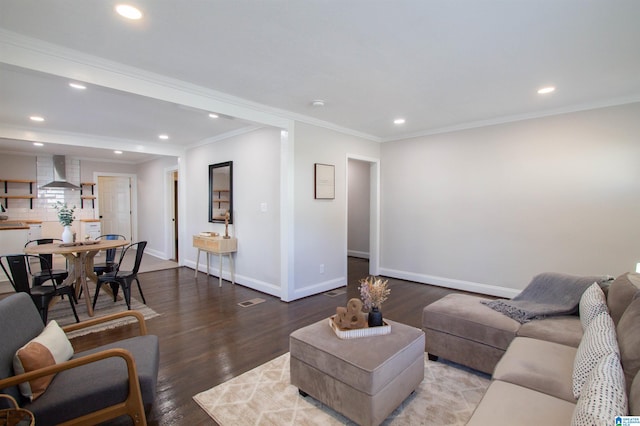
column 219, row 246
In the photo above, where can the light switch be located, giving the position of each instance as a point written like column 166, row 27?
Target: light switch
column 263, row 207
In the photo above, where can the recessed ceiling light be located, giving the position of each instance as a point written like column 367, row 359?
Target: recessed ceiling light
column 546, row 90
column 36, row 118
column 117, row 152
column 38, row 144
column 212, row 115
column 128, row 11
column 163, row 137
column 318, row 103
column 77, row 86
column 399, row 121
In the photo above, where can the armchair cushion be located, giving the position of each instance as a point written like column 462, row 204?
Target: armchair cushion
column 49, row 348
column 90, row 387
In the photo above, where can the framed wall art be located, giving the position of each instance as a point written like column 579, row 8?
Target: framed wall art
column 325, row 184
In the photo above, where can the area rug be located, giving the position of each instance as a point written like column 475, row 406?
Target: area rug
column 61, row 312
column 264, row 396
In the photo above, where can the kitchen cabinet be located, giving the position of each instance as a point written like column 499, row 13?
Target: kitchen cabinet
column 12, row 241
column 35, row 231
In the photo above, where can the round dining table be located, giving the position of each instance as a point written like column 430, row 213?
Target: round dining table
column 79, row 256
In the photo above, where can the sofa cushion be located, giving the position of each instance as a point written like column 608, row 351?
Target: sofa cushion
column 591, row 304
column 603, row 396
column 621, row 292
column 565, row 329
column 506, row 404
column 48, row 348
column 634, row 396
column 543, row 366
column 599, row 340
column 629, row 341
column 464, row 316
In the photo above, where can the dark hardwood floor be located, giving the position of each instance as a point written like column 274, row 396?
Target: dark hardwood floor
column 206, row 338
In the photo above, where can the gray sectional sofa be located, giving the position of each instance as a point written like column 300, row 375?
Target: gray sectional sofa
column 559, row 370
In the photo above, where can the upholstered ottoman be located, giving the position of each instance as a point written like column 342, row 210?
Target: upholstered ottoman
column 461, row 329
column 365, row 378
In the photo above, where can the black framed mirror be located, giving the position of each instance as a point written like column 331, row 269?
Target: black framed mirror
column 221, row 192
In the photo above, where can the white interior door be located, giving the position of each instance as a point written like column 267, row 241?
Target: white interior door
column 115, row 205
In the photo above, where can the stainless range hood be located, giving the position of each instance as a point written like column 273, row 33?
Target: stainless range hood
column 59, row 175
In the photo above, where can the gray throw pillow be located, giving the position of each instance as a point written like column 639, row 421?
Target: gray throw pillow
column 629, row 341
column 620, row 295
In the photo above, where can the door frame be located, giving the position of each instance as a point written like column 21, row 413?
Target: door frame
column 133, row 179
column 374, row 212
column 169, row 208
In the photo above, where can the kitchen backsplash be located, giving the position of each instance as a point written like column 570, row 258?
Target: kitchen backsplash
column 44, row 205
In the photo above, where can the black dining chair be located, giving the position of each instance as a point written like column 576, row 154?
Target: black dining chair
column 16, row 268
column 45, row 274
column 119, row 278
column 110, row 261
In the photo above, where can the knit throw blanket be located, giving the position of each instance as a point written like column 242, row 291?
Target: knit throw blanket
column 548, row 294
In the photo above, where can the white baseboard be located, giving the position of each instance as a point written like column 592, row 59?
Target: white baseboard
column 451, row 283
column 359, row 254
column 322, row 287
column 252, row 283
column 156, row 253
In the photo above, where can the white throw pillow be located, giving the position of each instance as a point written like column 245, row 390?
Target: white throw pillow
column 599, row 339
column 592, row 303
column 603, row 396
column 49, row 348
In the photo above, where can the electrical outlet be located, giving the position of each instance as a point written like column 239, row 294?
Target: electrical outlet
column 322, row 268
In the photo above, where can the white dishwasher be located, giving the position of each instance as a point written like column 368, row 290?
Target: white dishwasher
column 35, row 231
column 90, row 227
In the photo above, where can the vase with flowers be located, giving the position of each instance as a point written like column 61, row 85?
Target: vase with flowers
column 374, row 291
column 65, row 216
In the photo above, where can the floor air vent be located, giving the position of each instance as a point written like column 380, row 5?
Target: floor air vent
column 336, row 292
column 251, row 302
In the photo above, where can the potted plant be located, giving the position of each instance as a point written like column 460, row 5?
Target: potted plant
column 65, row 216
column 373, row 292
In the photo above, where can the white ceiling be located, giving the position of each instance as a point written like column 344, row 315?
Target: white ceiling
column 441, row 65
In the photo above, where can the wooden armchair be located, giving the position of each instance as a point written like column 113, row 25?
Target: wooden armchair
column 93, row 386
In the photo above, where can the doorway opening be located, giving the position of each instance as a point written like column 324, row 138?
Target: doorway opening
column 363, row 211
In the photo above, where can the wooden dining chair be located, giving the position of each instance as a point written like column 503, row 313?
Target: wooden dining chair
column 124, row 279
column 44, row 274
column 16, row 268
column 110, row 261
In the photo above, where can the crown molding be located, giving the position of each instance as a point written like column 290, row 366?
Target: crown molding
column 88, row 141
column 521, row 117
column 39, row 55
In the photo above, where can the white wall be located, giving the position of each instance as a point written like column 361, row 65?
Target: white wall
column 321, row 225
column 494, row 206
column 358, row 209
column 153, row 222
column 256, row 180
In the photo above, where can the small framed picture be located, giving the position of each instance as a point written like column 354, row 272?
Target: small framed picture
column 325, row 184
